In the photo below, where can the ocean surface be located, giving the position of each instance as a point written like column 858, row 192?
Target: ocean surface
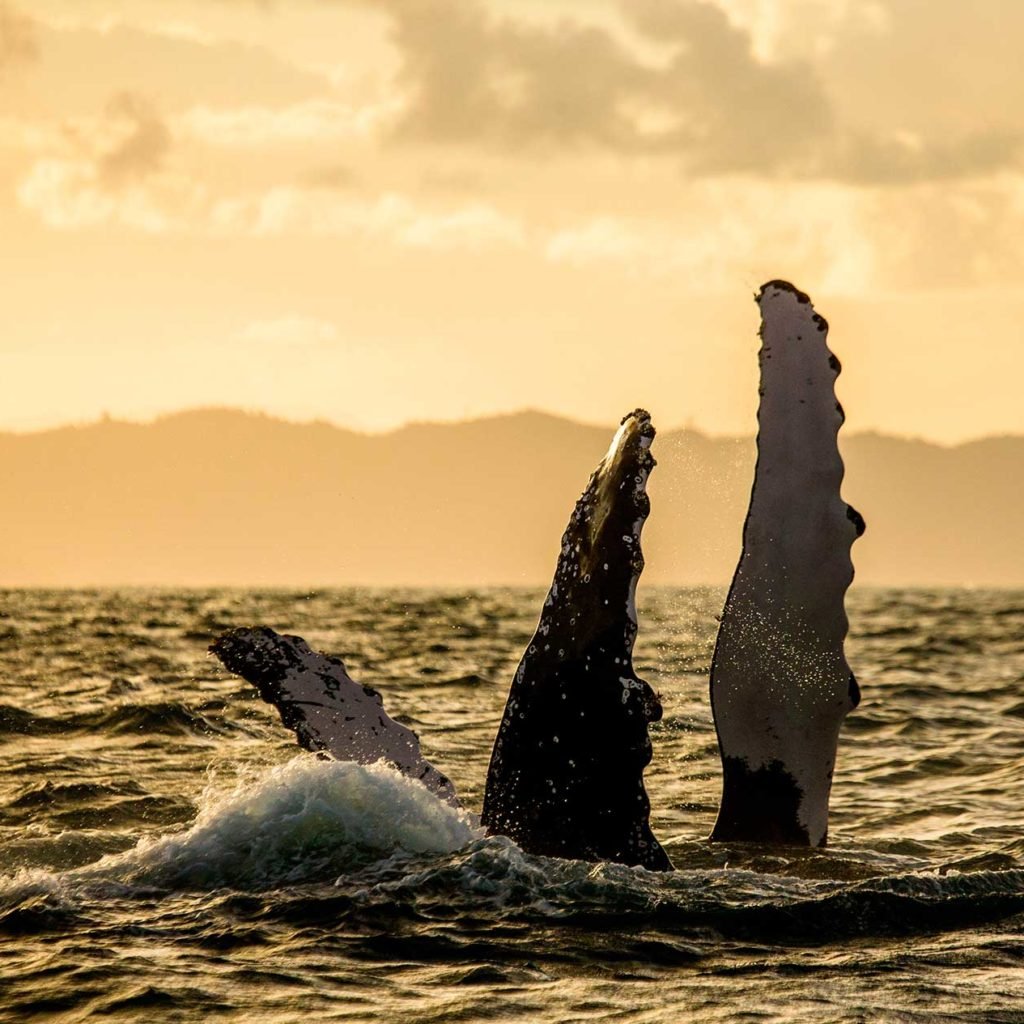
column 168, row 854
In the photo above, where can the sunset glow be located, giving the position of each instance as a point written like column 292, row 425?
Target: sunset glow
column 380, row 212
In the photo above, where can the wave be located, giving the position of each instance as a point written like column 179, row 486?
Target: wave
column 50, row 793
column 315, row 839
column 493, row 875
column 307, row 820
column 85, row 806
column 160, row 718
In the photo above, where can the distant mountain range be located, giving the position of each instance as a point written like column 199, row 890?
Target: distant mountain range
column 225, row 497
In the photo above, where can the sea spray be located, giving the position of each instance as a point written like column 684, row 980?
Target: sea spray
column 876, row 926
column 301, row 821
column 306, row 820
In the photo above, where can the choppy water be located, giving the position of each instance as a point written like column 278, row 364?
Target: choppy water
column 167, row 854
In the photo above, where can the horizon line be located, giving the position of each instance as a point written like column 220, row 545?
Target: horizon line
column 105, row 418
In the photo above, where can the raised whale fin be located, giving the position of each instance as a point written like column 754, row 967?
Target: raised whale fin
column 566, row 771
column 780, row 683
column 326, row 709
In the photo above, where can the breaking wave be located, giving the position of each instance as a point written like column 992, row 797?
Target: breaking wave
column 307, row 820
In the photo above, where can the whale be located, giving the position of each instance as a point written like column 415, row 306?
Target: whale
column 565, row 777
column 780, row 683
column 329, row 712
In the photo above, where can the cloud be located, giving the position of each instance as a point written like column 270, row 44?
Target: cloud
column 470, row 77
column 728, row 232
column 781, row 29
column 138, row 137
column 392, row 217
column 128, row 142
column 122, row 168
column 841, row 239
column 900, row 158
column 290, row 332
column 18, row 36
column 320, row 120
column 739, row 113
column 143, row 141
column 951, row 236
column 71, row 195
column 111, row 170
column 697, row 90
column 730, row 87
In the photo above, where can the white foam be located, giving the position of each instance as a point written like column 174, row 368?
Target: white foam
column 296, row 821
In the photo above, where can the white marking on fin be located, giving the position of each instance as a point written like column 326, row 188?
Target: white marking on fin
column 780, row 682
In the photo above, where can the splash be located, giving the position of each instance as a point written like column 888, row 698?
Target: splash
column 306, row 820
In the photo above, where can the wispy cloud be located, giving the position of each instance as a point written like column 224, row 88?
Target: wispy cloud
column 320, row 120
column 111, row 170
column 391, row 217
column 122, row 169
column 735, row 232
column 686, row 82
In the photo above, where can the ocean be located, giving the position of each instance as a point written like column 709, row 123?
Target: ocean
column 167, row 853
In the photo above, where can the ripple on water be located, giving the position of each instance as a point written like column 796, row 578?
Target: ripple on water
column 165, row 852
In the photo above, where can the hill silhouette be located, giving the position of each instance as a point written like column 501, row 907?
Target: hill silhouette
column 214, row 497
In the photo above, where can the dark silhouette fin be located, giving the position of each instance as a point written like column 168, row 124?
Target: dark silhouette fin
column 566, row 771
column 326, row 709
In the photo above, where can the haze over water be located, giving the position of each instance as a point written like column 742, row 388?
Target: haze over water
column 168, row 853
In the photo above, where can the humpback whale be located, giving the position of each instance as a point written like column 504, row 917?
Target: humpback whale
column 326, row 709
column 780, row 682
column 565, row 777
column 566, row 771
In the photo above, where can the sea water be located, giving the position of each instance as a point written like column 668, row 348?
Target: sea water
column 168, row 854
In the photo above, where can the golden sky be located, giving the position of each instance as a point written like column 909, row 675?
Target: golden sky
column 375, row 211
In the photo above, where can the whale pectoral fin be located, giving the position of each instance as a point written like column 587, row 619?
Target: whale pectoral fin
column 326, row 709
column 566, row 772
column 780, row 683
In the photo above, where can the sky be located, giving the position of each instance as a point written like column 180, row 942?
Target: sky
column 380, row 211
